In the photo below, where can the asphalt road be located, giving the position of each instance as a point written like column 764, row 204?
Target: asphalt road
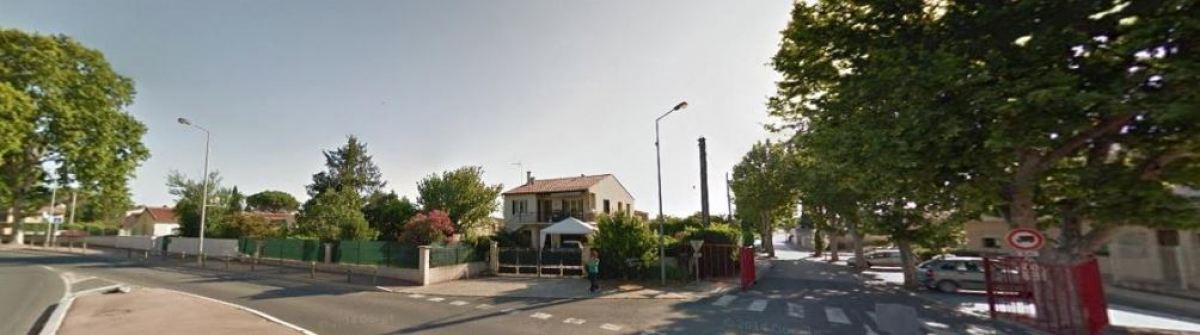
column 796, row 297
column 27, row 293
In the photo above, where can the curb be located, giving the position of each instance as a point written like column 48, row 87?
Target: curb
column 60, row 310
column 266, row 316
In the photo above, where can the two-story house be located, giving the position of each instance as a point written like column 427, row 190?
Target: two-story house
column 563, row 209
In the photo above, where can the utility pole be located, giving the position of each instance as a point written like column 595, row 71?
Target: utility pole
column 703, row 183
column 50, row 218
column 728, row 198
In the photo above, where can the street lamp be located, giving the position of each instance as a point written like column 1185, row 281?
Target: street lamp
column 204, row 195
column 662, row 253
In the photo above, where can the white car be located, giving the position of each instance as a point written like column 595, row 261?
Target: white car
column 880, row 257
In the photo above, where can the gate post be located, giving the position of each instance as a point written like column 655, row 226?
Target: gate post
column 494, row 258
column 747, row 263
column 987, row 280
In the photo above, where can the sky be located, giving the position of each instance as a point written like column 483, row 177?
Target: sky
column 562, row 87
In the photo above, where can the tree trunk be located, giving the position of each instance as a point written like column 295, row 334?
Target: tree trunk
column 18, row 232
column 908, row 263
column 818, row 242
column 860, row 261
column 833, row 246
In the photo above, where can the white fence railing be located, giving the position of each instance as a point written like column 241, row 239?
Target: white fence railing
column 213, row 247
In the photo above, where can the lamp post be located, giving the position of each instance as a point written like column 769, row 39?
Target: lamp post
column 204, row 195
column 662, row 253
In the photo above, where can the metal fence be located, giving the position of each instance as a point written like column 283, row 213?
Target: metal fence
column 442, row 256
column 541, row 262
column 1056, row 298
column 380, row 253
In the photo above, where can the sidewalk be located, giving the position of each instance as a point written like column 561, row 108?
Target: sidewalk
column 566, row 288
column 146, row 310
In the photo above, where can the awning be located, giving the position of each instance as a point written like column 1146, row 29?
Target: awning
column 568, row 226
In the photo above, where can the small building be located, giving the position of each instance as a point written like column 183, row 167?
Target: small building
column 542, row 204
column 154, row 221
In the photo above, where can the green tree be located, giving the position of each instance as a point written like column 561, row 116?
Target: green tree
column 188, row 195
column 236, row 202
column 763, row 196
column 348, row 168
column 249, row 225
column 64, row 121
column 334, row 215
column 387, row 214
column 1044, row 112
column 462, row 193
column 272, row 201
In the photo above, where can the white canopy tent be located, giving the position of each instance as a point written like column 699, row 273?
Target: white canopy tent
column 568, row 226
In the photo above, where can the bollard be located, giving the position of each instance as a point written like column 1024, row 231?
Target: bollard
column 146, row 254
column 253, row 262
column 129, row 253
column 85, row 246
column 348, row 273
column 375, row 276
column 226, row 262
column 201, row 259
column 312, row 270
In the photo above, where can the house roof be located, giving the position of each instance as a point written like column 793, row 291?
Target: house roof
column 569, row 184
column 162, row 214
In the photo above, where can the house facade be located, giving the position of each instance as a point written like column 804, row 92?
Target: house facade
column 153, row 221
column 538, row 205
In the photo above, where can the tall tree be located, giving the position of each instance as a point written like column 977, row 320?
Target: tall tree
column 763, row 196
column 63, row 107
column 348, row 168
column 461, row 193
column 1042, row 111
column 189, row 195
column 388, row 213
column 272, row 201
column 236, row 201
column 334, row 215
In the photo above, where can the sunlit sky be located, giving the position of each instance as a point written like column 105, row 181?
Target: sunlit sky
column 563, row 87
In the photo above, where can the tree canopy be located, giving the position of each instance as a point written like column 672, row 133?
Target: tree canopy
column 461, row 193
column 272, row 201
column 65, row 121
column 388, row 213
column 348, row 168
column 188, row 194
column 1041, row 112
column 334, row 215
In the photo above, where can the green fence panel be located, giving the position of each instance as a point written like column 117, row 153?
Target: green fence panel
column 402, row 255
column 442, row 256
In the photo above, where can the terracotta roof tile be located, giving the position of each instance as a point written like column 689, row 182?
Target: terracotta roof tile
column 568, row 184
column 162, row 214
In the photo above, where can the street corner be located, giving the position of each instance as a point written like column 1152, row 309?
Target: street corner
column 137, row 310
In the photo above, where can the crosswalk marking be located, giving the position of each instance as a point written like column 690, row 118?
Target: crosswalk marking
column 509, row 310
column 437, row 299
column 540, row 315
column 758, row 305
column 483, row 306
column 574, row 321
column 724, row 300
column 612, row 327
column 869, row 331
column 459, row 303
column 416, row 296
column 872, row 316
column 796, row 310
column 836, row 315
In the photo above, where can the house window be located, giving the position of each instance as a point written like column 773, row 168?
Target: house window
column 514, row 207
column 991, row 243
column 620, row 207
column 606, row 211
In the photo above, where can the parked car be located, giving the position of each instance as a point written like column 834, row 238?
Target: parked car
column 880, row 257
column 950, row 274
column 571, row 245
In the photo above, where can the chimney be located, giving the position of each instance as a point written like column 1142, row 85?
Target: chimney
column 528, row 177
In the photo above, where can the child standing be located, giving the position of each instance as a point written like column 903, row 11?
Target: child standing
column 593, row 271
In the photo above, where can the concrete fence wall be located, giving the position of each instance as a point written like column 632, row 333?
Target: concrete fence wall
column 213, row 247
column 125, row 242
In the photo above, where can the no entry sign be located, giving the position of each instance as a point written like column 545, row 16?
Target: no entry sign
column 1025, row 239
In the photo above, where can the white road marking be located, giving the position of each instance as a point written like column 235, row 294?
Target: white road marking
column 758, row 305
column 416, row 296
column 724, row 300
column 836, row 315
column 483, row 306
column 796, row 310
column 869, row 331
column 509, row 310
column 872, row 316
column 934, row 324
column 540, row 315
column 437, row 299
column 981, row 330
column 612, row 327
column 574, row 321
column 459, row 303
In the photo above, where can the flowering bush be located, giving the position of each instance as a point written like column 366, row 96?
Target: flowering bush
column 427, row 228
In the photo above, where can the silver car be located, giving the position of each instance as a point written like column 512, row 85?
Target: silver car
column 882, row 257
column 952, row 274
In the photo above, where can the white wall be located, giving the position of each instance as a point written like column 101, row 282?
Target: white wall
column 610, row 189
column 125, row 242
column 165, row 229
column 213, row 247
column 512, row 222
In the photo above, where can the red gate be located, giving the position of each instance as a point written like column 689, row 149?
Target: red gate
column 1056, row 298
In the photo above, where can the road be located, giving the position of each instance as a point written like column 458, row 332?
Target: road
column 28, row 291
column 796, row 297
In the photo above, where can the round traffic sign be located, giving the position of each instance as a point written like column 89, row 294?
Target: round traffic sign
column 1025, row 239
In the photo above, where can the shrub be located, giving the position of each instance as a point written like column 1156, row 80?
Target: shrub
column 513, row 239
column 427, row 228
column 716, row 234
column 624, row 239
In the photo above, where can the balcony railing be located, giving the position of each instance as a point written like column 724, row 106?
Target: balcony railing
column 552, row 216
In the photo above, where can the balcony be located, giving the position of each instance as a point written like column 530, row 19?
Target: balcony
column 552, row 216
